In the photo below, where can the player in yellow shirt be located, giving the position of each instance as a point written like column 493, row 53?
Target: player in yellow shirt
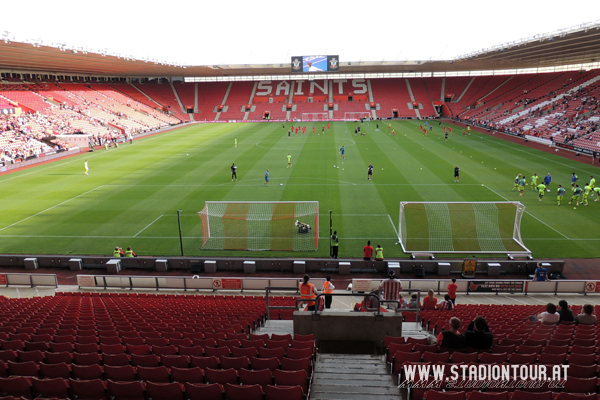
column 560, row 192
column 517, row 181
column 289, row 157
column 576, row 195
column 541, row 190
column 597, row 190
column 592, row 184
column 586, row 191
column 534, row 181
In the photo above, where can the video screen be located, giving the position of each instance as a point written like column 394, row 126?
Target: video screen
column 315, row 64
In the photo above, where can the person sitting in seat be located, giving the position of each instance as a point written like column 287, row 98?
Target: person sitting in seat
column 478, row 335
column 452, row 338
column 369, row 303
column 587, row 317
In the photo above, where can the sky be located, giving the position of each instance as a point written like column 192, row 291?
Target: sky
column 272, row 31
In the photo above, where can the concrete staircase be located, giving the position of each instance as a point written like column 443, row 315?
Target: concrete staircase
column 352, row 377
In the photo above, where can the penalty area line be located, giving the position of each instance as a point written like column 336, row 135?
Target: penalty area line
column 530, row 214
column 149, row 225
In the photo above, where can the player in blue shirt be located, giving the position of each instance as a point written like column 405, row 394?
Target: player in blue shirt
column 343, row 151
column 540, row 274
column 266, row 177
column 547, row 181
column 574, row 179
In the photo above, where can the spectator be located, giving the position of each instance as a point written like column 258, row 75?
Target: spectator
column 413, row 303
column 452, row 338
column 444, row 304
column 430, row 301
column 550, row 316
column 478, row 335
column 403, row 303
column 565, row 313
column 452, row 287
column 587, row 317
column 368, row 251
column 391, row 288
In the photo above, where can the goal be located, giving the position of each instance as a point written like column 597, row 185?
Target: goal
column 315, row 116
column 461, row 227
column 357, row 115
column 261, row 225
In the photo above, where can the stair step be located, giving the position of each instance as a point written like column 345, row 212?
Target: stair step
column 352, row 396
column 341, row 377
column 353, row 389
column 381, row 369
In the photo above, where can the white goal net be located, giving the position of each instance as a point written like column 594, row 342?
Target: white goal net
column 357, row 115
column 315, row 116
column 261, row 225
column 461, row 227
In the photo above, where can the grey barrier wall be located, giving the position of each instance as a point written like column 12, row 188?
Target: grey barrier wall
column 196, row 264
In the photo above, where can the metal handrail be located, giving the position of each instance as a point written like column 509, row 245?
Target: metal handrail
column 285, row 288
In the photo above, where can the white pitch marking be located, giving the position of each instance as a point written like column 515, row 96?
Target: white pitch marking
column 48, row 209
column 147, row 226
column 393, row 226
column 555, row 230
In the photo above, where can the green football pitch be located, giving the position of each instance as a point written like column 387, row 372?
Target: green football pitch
column 132, row 193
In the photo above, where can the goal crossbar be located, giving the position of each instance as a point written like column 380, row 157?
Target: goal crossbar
column 461, row 227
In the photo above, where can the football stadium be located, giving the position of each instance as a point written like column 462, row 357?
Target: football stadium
column 317, row 228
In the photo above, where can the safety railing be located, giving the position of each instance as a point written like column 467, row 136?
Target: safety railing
column 31, row 280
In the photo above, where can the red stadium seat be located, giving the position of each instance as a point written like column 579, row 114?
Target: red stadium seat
column 126, row 390
column 200, row 391
column 284, row 393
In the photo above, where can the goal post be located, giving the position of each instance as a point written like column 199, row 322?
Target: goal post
column 259, row 226
column 461, row 227
column 357, row 115
column 315, row 116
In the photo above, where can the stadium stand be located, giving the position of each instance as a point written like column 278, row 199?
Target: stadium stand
column 239, row 96
column 392, row 94
column 102, row 326
column 163, row 94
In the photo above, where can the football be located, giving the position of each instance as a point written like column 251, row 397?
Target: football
column 281, row 184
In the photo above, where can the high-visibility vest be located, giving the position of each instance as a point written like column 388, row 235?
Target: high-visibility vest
column 327, row 286
column 307, row 292
column 379, row 253
column 117, row 253
column 129, row 253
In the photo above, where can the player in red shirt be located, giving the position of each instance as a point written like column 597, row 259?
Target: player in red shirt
column 328, row 127
column 452, row 287
column 314, row 130
column 368, row 250
column 450, row 130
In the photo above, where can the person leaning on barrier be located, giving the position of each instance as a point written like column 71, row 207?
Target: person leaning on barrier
column 308, row 292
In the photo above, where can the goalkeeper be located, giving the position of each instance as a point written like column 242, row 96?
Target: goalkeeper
column 302, row 227
column 534, row 181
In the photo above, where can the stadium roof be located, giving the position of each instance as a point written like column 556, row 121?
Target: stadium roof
column 577, row 46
